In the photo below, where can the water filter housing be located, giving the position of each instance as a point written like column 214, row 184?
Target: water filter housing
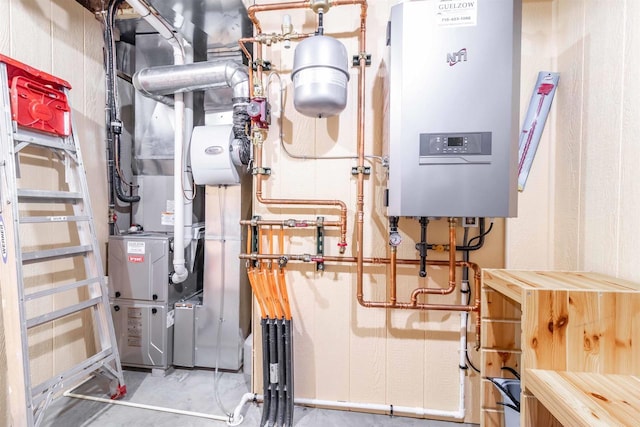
column 454, row 83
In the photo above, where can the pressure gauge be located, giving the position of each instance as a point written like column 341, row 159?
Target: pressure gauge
column 395, row 238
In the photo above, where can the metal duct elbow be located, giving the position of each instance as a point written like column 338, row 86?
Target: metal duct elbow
column 169, row 79
column 237, row 78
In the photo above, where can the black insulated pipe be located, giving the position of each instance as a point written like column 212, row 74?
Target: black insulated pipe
column 422, row 246
column 281, row 372
column 273, row 374
column 241, row 120
column 266, row 389
column 288, row 350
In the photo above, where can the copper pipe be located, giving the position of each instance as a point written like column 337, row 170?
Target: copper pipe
column 253, row 281
column 475, row 267
column 241, row 42
column 392, row 292
column 452, row 252
column 281, row 239
column 290, row 223
column 271, row 201
column 252, row 10
column 249, row 239
column 285, row 294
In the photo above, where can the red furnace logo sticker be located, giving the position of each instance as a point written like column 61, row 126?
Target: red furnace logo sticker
column 136, row 258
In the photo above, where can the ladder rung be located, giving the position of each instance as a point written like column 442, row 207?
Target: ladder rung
column 55, row 315
column 61, row 218
column 88, row 366
column 48, row 196
column 36, row 256
column 60, row 289
column 44, row 141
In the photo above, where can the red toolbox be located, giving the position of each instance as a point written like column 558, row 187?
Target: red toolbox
column 38, row 100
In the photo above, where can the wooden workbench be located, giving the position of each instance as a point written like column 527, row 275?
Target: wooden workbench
column 561, row 322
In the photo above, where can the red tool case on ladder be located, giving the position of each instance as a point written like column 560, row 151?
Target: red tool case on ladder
column 38, row 100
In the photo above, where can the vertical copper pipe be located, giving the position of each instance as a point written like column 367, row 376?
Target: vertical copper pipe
column 241, row 42
column 362, row 48
column 452, row 252
column 393, row 273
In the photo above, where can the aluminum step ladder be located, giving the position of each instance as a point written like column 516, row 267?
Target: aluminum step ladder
column 48, row 284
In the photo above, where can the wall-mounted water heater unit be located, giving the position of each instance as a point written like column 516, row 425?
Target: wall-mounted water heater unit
column 454, row 83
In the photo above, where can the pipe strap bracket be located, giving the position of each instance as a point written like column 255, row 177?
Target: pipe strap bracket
column 359, row 57
column 260, row 171
column 357, row 170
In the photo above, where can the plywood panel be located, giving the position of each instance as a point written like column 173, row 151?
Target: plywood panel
column 545, row 329
column 530, row 234
column 92, row 132
column 31, row 33
column 536, row 414
column 629, row 196
column 570, row 45
column 601, row 135
column 583, row 334
column 5, row 34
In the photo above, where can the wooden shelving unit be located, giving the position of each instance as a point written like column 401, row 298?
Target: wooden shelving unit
column 557, row 322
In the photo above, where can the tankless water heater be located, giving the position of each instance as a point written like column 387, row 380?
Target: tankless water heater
column 454, row 83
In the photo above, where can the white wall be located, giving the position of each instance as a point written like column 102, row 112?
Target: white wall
column 587, row 178
column 61, row 38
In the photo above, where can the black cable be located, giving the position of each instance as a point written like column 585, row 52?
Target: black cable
column 466, row 352
column 480, row 236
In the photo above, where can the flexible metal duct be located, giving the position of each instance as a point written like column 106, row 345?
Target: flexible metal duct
column 171, row 79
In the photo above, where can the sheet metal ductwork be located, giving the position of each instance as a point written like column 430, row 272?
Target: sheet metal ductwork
column 165, row 80
column 171, row 79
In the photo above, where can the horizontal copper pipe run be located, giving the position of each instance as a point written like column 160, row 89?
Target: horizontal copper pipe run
column 291, row 223
column 309, row 202
column 252, row 10
column 338, row 259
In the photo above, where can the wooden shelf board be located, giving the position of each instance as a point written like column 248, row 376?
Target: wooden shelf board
column 502, row 350
column 512, row 283
column 493, row 320
column 587, row 399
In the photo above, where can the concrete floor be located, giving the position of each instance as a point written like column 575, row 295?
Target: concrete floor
column 193, row 390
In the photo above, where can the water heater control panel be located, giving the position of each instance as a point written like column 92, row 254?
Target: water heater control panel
column 438, row 148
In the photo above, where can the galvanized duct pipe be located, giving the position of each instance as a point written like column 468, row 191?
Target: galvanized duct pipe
column 171, row 79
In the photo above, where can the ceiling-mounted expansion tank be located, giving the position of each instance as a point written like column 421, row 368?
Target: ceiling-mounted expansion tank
column 454, row 87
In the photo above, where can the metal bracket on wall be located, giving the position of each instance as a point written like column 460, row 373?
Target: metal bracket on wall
column 260, row 171
column 319, row 259
column 266, row 65
column 362, row 55
column 254, row 238
column 366, row 170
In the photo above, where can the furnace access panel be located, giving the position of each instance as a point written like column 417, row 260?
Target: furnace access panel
column 454, row 83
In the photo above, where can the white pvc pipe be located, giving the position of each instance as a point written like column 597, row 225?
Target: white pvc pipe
column 149, row 407
column 180, row 271
column 390, row 409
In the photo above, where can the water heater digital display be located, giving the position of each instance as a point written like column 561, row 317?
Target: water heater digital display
column 453, row 103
